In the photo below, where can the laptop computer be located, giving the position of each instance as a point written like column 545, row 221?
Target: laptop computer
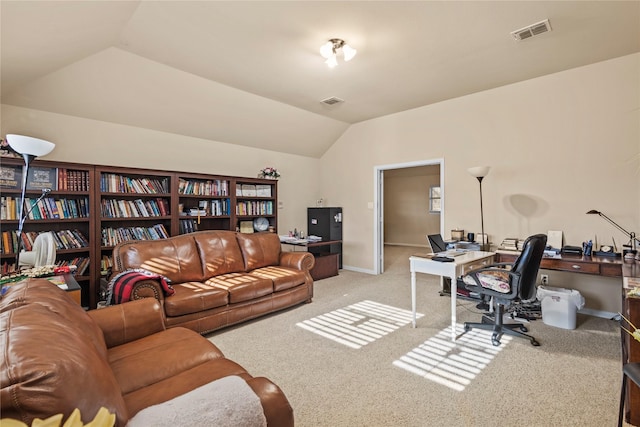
column 439, row 247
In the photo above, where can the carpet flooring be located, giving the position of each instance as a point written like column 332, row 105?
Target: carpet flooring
column 352, row 358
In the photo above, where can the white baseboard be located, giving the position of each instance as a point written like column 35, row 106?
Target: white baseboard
column 359, row 270
column 598, row 313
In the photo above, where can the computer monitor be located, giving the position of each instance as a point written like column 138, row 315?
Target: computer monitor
column 437, row 243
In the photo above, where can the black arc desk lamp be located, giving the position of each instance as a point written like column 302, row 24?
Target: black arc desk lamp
column 630, row 234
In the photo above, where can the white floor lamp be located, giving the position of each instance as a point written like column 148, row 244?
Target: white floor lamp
column 480, row 172
column 29, row 148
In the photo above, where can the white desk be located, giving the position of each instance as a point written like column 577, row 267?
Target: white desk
column 460, row 266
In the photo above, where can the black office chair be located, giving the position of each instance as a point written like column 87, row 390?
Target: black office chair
column 507, row 283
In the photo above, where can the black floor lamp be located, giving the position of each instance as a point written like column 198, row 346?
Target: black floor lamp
column 29, row 148
column 480, row 172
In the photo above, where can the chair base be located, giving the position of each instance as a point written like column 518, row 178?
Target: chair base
column 499, row 328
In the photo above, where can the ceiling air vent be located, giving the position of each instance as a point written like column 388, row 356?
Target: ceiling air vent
column 332, row 100
column 532, row 30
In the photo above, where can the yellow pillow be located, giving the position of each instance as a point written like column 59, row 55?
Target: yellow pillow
column 102, row 419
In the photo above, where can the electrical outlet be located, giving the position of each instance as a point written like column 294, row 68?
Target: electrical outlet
column 544, row 279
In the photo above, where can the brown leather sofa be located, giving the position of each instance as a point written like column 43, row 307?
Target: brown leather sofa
column 56, row 357
column 220, row 278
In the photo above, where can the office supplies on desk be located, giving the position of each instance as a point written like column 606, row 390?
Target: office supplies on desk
column 442, row 259
column 573, row 250
column 439, row 247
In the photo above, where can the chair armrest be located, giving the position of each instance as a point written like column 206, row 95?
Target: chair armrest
column 130, row 321
column 298, row 260
column 494, row 268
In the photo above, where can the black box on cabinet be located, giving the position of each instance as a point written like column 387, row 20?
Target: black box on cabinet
column 327, row 224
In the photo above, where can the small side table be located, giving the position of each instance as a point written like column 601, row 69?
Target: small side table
column 68, row 283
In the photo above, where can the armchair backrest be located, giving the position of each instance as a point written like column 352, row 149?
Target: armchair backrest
column 528, row 264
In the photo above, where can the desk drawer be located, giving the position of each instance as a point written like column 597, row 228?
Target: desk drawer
column 466, row 268
column 573, row 266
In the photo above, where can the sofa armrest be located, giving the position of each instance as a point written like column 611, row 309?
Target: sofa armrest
column 299, row 260
column 130, row 321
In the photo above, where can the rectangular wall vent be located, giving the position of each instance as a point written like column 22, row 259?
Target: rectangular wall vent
column 332, row 100
column 532, row 30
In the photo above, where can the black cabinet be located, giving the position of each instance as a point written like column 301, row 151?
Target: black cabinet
column 326, row 223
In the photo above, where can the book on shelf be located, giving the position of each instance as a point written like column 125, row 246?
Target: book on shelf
column 72, row 180
column 263, row 190
column 40, row 178
column 188, row 226
column 248, row 190
column 246, row 227
column 509, row 244
column 11, row 177
column 8, row 207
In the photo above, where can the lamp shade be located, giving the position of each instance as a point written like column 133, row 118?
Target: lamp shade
column 29, row 145
column 326, row 50
column 348, row 52
column 479, row 171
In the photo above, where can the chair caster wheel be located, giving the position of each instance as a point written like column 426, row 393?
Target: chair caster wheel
column 495, row 342
column 467, row 328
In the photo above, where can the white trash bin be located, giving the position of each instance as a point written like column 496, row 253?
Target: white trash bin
column 559, row 306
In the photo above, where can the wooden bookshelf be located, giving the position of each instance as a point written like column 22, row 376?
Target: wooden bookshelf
column 66, row 211
column 109, row 204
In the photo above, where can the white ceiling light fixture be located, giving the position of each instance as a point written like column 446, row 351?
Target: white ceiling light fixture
column 330, row 51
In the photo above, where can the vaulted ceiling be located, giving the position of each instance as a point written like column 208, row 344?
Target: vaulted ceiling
column 250, row 73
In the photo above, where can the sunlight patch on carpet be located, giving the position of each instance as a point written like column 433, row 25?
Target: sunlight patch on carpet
column 358, row 324
column 452, row 364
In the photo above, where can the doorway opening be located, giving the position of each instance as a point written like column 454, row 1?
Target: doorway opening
column 408, row 208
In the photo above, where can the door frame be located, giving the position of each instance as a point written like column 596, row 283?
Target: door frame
column 378, row 203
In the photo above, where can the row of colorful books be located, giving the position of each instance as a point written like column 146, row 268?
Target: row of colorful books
column 217, row 187
column 254, row 208
column 188, row 226
column 70, row 239
column 112, row 236
column 65, row 239
column 114, row 183
column 47, row 208
column 112, row 208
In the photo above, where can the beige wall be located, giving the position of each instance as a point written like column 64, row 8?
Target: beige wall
column 94, row 142
column 558, row 146
column 407, row 219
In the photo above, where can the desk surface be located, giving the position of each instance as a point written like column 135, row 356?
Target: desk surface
column 598, row 265
column 309, row 244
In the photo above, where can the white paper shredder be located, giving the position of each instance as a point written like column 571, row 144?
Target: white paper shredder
column 559, row 306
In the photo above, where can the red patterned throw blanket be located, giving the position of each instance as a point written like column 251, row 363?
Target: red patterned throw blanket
column 121, row 284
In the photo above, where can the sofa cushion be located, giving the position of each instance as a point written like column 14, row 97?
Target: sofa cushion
column 259, row 249
column 282, row 277
column 242, row 287
column 172, row 351
column 49, row 366
column 194, row 297
column 176, row 258
column 220, row 252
